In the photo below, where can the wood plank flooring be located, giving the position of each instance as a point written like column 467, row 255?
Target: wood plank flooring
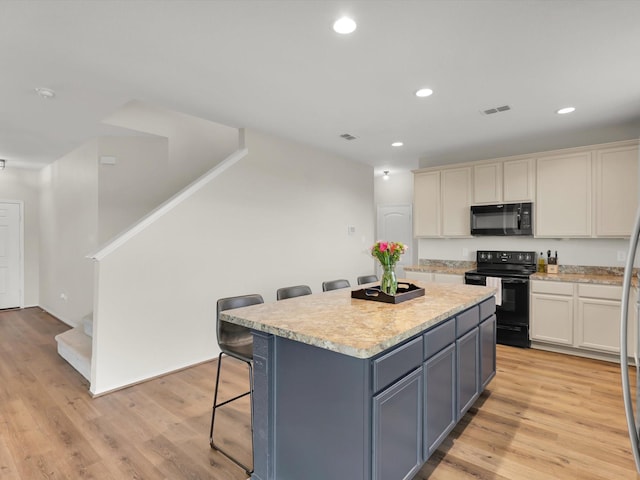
column 544, row 416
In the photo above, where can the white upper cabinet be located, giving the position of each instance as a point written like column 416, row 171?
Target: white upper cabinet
column 563, row 196
column 456, row 202
column 580, row 192
column 510, row 181
column 519, row 180
column 487, row 183
column 616, row 191
column 441, row 203
column 426, row 204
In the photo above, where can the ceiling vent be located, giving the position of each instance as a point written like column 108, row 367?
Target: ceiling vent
column 491, row 111
column 348, row 136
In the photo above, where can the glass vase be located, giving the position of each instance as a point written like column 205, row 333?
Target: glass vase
column 389, row 282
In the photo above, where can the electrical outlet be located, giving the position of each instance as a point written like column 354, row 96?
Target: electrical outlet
column 622, row 255
column 63, row 297
column 465, row 252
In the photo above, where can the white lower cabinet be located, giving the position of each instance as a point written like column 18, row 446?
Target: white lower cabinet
column 583, row 316
column 598, row 327
column 552, row 312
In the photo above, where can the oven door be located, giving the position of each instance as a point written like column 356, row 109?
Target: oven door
column 515, row 302
column 512, row 316
column 514, row 309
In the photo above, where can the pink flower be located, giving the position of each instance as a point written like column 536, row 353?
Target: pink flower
column 384, row 246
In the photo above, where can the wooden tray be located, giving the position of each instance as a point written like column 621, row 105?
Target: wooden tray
column 405, row 291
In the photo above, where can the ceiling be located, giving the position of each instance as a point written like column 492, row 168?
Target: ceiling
column 278, row 66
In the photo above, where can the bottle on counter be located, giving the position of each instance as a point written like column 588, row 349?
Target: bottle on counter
column 541, row 265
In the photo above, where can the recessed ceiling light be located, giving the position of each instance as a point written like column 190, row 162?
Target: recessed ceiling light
column 344, row 25
column 424, row 92
column 45, row 92
column 397, row 144
column 564, row 110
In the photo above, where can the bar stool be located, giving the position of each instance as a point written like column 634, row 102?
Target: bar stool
column 235, row 341
column 295, row 291
column 335, row 285
column 367, row 279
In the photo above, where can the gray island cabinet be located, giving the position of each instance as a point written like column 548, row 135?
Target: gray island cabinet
column 359, row 390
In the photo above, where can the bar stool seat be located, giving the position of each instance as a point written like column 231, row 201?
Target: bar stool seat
column 235, row 341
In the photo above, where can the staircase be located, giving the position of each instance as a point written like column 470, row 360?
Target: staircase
column 75, row 346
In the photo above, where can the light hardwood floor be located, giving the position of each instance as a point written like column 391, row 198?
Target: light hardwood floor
column 544, row 416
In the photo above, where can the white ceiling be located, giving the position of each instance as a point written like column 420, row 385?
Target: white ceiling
column 278, row 66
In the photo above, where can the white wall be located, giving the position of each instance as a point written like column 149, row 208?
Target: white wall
column 23, row 185
column 134, row 186
column 195, row 144
column 588, row 251
column 396, row 190
column 68, row 232
column 278, row 217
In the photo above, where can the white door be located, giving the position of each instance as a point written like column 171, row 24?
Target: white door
column 395, row 224
column 10, row 242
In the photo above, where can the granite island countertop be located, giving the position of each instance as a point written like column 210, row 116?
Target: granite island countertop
column 358, row 328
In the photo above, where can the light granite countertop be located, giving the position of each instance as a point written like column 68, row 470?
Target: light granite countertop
column 451, row 270
column 583, row 278
column 358, row 328
column 451, row 267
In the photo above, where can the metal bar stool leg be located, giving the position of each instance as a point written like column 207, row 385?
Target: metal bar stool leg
column 216, row 405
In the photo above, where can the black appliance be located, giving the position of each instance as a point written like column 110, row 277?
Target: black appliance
column 510, row 272
column 503, row 219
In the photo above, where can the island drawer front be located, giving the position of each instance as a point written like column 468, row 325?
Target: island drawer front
column 467, row 320
column 487, row 308
column 439, row 337
column 398, row 362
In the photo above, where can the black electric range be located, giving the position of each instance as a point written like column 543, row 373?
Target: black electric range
column 508, row 271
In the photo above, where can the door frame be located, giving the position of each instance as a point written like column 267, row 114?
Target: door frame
column 20, row 204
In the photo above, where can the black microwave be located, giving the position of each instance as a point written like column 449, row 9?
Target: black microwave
column 503, row 219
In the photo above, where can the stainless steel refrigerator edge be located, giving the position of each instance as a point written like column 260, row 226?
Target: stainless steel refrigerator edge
column 632, row 420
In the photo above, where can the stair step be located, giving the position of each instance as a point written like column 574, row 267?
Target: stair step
column 87, row 322
column 75, row 347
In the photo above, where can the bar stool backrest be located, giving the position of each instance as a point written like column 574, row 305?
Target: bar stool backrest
column 236, row 340
column 367, row 279
column 335, row 285
column 295, row 291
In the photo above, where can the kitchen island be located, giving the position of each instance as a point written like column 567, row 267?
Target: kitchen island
column 358, row 389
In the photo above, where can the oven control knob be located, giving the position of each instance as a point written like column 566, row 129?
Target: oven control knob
column 527, row 257
column 520, row 257
column 489, row 256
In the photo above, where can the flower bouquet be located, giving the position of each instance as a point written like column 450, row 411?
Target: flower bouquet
column 388, row 254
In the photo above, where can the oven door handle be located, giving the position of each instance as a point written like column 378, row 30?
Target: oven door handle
column 475, row 277
column 515, row 281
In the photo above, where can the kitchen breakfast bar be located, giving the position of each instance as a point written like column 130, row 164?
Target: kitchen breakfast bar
column 358, row 389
